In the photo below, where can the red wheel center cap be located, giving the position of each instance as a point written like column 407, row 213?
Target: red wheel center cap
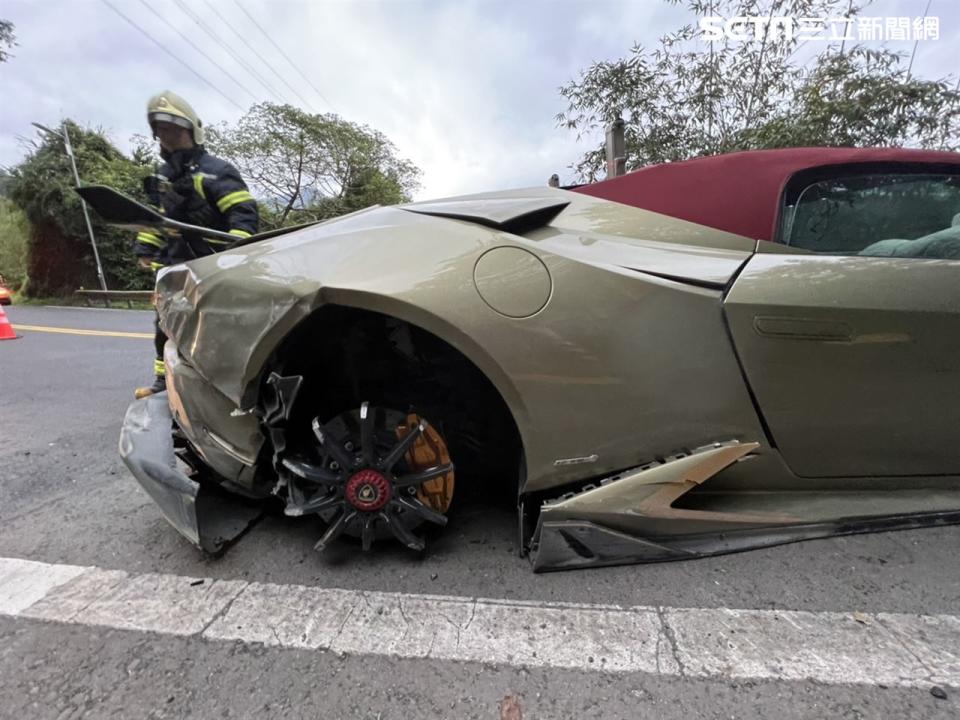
column 368, row 490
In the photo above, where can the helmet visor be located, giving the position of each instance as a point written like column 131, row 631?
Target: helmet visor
column 156, row 117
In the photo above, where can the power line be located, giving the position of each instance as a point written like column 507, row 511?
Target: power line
column 198, row 49
column 252, row 49
column 206, row 28
column 280, row 50
column 161, row 46
column 917, row 41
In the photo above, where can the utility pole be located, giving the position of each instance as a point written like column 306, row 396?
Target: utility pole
column 616, row 149
column 65, row 136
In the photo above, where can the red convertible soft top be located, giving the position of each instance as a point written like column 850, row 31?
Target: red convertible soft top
column 739, row 192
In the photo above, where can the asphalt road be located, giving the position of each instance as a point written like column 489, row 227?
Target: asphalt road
column 65, row 497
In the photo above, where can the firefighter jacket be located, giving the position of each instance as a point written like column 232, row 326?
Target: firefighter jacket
column 195, row 187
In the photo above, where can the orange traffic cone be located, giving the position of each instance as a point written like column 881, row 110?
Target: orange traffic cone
column 6, row 329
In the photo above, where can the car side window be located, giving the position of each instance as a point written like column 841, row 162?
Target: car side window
column 878, row 215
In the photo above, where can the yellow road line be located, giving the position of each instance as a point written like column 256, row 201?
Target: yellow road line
column 76, row 331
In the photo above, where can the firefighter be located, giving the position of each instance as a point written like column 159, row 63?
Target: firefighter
column 194, row 187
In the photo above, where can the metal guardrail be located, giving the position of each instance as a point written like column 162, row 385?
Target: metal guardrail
column 93, row 297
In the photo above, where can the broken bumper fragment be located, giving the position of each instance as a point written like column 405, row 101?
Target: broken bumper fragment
column 206, row 517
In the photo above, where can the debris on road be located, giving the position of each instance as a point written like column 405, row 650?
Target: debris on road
column 510, row 708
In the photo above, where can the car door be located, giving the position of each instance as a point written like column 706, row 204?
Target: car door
column 848, row 331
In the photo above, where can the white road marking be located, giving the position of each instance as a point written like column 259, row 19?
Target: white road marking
column 24, row 582
column 448, row 628
column 827, row 647
column 166, row 604
column 832, row 647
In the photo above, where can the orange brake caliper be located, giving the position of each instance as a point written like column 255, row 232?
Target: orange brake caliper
column 429, row 450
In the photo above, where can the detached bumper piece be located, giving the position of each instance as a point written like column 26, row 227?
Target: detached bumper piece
column 635, row 517
column 630, row 518
column 205, row 515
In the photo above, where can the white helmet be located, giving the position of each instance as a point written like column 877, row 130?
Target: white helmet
column 170, row 107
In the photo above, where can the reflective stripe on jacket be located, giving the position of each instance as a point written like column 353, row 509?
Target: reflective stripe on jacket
column 201, row 190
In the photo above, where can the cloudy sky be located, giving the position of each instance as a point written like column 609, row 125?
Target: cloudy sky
column 466, row 89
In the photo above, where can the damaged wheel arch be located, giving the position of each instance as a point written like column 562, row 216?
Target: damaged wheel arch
column 350, row 358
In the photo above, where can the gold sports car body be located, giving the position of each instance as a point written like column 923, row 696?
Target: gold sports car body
column 695, row 358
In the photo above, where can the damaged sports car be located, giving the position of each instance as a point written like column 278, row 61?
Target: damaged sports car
column 695, row 358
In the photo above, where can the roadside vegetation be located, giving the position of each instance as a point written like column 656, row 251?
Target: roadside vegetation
column 687, row 96
column 14, row 237
column 301, row 167
column 305, row 167
column 59, row 254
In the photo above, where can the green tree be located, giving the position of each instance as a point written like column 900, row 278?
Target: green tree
column 14, row 237
column 59, row 257
column 863, row 98
column 688, row 97
column 310, row 167
column 5, row 179
column 7, row 39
